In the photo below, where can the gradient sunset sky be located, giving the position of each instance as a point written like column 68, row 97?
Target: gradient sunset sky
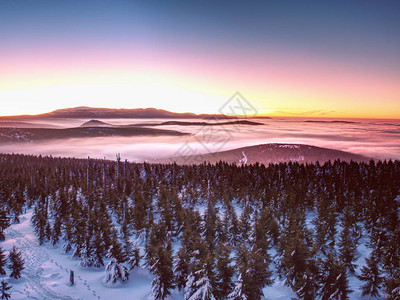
column 288, row 58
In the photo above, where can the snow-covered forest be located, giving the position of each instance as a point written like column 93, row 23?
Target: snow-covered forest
column 221, row 231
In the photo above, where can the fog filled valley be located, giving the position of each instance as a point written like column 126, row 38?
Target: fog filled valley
column 205, row 231
column 152, row 139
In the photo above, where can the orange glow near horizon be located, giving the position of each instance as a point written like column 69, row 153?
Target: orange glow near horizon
column 276, row 83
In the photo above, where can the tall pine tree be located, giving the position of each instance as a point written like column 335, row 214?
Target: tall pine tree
column 3, row 262
column 16, row 263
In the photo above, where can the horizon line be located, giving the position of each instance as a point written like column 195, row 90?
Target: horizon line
column 272, row 115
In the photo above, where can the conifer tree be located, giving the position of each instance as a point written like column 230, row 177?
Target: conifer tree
column 16, row 204
column 98, row 250
column 308, row 286
column 300, row 268
column 4, row 223
column 4, row 288
column 163, row 281
column 348, row 247
column 253, row 265
column 224, row 272
column 115, row 273
column 135, row 258
column 56, row 232
column 48, row 231
column 341, row 285
column 16, row 262
column 245, row 224
column 237, row 293
column 3, row 262
column 325, row 224
column 391, row 260
column 333, row 278
column 231, row 225
column 371, row 275
column 67, row 237
column 181, row 267
column 199, row 286
column 139, row 211
column 201, row 281
column 39, row 220
column 392, row 285
column 116, row 250
column 86, row 254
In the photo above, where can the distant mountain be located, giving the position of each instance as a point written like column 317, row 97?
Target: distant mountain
column 83, row 112
column 331, row 121
column 180, row 123
column 270, row 153
column 14, row 135
column 183, row 123
column 95, row 123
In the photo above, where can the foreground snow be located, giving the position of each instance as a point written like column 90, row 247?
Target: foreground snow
column 46, row 273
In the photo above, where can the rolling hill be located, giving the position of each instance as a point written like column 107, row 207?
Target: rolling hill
column 270, row 153
column 95, row 123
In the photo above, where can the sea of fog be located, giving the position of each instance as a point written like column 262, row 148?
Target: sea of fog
column 373, row 138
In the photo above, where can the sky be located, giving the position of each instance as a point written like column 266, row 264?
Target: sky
column 287, row 58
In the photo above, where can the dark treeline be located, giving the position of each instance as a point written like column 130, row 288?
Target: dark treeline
column 216, row 231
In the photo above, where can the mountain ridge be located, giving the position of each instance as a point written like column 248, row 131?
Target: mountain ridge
column 86, row 112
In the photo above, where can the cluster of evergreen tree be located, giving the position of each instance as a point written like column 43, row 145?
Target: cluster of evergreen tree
column 16, row 262
column 216, row 231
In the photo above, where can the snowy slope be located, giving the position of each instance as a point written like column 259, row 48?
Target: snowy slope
column 46, row 273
